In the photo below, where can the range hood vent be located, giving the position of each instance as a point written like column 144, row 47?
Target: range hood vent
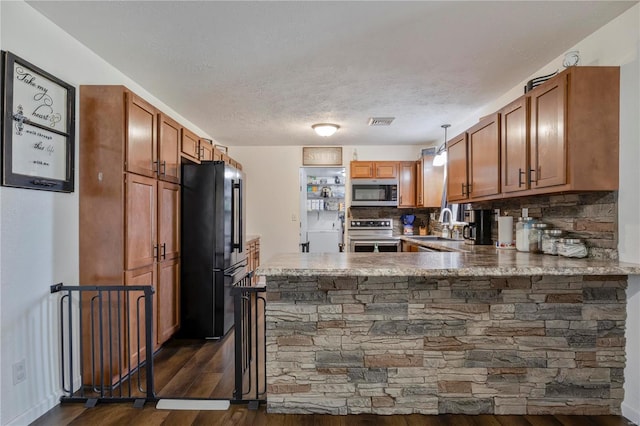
column 381, row 121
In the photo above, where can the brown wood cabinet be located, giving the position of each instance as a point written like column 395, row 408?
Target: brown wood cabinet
column 190, row 145
column 168, row 149
column 514, row 146
column 457, row 175
column 206, row 150
column 253, row 257
column 141, row 140
column 129, row 216
column 563, row 135
column 430, row 182
column 374, row 169
column 407, row 184
column 419, row 183
column 484, row 158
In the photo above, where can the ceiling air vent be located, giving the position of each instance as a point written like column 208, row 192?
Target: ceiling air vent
column 381, row 121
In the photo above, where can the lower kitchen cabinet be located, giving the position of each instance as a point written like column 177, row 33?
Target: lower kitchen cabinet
column 167, row 304
column 135, row 338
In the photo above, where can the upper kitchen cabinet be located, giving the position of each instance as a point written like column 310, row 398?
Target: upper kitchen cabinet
column 206, row 150
column 169, row 149
column 484, row 158
column 457, row 170
column 429, row 183
column 190, row 145
column 563, row 135
column 514, row 140
column 374, row 170
column 141, row 137
column 575, row 130
column 407, row 184
column 473, row 162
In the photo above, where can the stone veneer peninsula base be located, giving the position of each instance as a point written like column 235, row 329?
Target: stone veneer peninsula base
column 542, row 344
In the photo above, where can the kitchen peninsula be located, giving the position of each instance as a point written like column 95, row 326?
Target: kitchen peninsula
column 481, row 331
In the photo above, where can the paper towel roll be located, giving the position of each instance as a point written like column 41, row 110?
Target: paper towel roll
column 505, row 232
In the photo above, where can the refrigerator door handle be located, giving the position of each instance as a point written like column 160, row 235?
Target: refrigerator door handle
column 237, row 225
column 229, row 272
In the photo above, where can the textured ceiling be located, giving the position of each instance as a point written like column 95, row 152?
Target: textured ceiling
column 261, row 73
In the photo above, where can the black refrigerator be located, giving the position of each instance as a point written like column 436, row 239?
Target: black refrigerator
column 213, row 251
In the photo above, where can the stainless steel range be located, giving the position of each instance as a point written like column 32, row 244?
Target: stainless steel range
column 369, row 235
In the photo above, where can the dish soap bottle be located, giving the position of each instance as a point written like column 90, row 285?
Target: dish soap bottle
column 446, row 232
column 375, row 248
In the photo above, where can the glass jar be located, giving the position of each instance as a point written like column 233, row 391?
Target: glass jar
column 535, row 236
column 523, row 229
column 550, row 239
column 572, row 247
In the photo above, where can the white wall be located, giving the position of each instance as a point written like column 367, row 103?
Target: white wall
column 273, row 188
column 39, row 239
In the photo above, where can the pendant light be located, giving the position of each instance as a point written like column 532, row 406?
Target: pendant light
column 441, row 155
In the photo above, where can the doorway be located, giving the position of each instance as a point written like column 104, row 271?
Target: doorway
column 322, row 209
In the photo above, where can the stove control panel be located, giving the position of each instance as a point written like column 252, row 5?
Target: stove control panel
column 371, row 224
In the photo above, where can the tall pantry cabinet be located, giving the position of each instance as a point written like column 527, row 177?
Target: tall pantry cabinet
column 130, row 200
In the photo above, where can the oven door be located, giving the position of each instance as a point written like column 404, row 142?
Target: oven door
column 368, row 246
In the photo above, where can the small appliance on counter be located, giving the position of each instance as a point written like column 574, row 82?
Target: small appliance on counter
column 478, row 230
column 407, row 222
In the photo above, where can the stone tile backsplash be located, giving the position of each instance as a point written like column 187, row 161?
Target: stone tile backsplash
column 591, row 216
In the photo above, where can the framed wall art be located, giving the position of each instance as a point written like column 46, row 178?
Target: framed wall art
column 38, row 127
column 321, row 156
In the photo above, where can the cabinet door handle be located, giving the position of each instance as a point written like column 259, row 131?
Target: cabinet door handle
column 531, row 172
column 401, row 200
column 520, row 173
column 469, row 188
column 163, row 168
column 164, row 251
column 155, row 252
column 463, row 189
column 155, row 166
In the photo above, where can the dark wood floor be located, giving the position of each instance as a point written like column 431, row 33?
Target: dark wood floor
column 205, row 370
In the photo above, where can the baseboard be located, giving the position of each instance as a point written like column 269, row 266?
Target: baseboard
column 35, row 412
column 631, row 413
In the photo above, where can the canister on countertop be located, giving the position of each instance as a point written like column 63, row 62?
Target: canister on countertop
column 523, row 229
column 550, row 239
column 535, row 237
column 572, row 247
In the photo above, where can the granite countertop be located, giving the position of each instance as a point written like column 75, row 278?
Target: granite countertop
column 474, row 261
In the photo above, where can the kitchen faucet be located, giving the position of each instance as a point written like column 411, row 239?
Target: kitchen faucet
column 446, row 230
column 445, row 210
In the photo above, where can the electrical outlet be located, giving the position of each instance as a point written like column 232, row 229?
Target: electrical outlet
column 19, row 372
column 497, row 214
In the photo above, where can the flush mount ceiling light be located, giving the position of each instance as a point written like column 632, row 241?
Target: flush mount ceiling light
column 325, row 129
column 441, row 156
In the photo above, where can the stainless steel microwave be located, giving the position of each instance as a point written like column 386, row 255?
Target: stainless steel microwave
column 374, row 192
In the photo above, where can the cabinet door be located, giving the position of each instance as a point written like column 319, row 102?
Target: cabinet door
column 140, row 221
column 548, row 141
column 169, row 149
column 217, row 155
column 168, row 299
column 190, row 145
column 407, row 184
column 141, row 137
column 457, row 168
column 206, row 150
column 419, row 183
column 168, row 220
column 385, row 169
column 484, row 157
column 432, row 182
column 135, row 338
column 514, row 145
column 361, row 169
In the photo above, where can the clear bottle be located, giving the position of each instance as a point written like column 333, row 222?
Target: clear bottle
column 535, row 237
column 572, row 247
column 446, row 232
column 523, row 229
column 550, row 239
column 375, row 248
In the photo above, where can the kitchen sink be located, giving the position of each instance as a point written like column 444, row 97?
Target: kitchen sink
column 428, row 238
